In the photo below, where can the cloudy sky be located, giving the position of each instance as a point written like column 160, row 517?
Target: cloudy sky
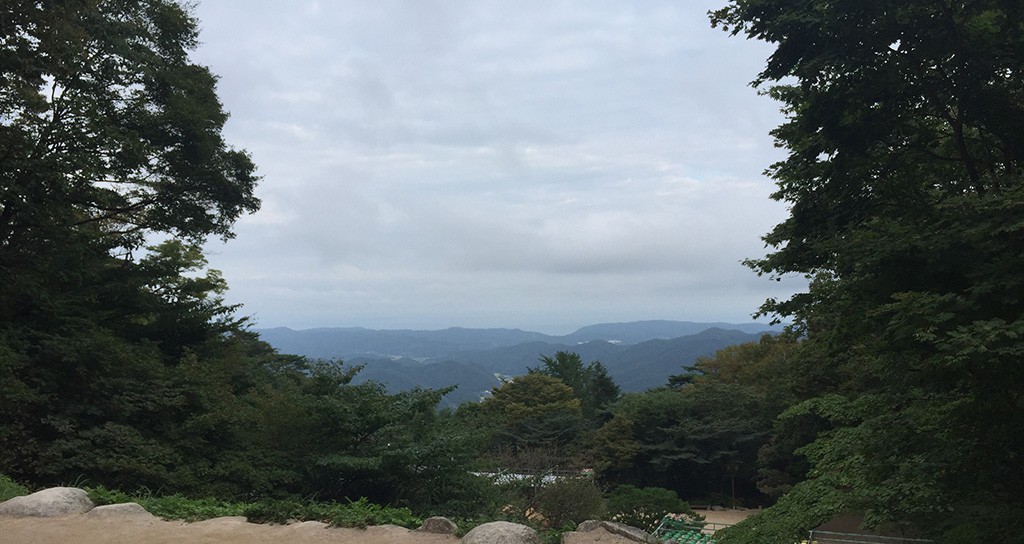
column 534, row 164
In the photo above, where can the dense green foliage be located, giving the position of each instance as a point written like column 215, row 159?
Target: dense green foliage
column 904, row 183
column 10, row 489
column 644, row 507
column 591, row 383
column 359, row 513
column 569, row 501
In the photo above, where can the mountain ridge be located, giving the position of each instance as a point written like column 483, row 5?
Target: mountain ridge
column 638, row 355
column 342, row 342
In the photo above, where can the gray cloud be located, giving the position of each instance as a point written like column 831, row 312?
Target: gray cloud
column 541, row 165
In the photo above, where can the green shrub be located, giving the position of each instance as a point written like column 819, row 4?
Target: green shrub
column 10, row 489
column 359, row 513
column 186, row 509
column 281, row 511
column 468, row 496
column 102, row 496
column 644, row 507
column 569, row 501
column 169, row 506
column 363, row 513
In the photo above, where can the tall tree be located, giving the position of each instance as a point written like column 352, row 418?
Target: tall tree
column 590, row 383
column 904, row 183
column 108, row 132
column 535, row 410
column 107, row 126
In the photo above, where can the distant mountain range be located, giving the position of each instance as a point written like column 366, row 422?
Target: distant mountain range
column 639, row 355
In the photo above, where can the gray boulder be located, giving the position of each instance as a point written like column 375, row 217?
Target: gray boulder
column 121, row 511
column 439, row 525
column 589, row 525
column 628, row 531
column 48, row 503
column 501, row 532
column 621, row 529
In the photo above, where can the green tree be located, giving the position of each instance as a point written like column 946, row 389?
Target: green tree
column 122, row 365
column 614, row 446
column 700, row 441
column 535, row 410
column 109, row 133
column 903, row 180
column 590, row 383
column 108, row 128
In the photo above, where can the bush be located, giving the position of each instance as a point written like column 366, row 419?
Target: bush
column 644, row 507
column 10, row 489
column 186, row 509
column 362, row 513
column 169, row 506
column 281, row 511
column 101, row 496
column 570, row 501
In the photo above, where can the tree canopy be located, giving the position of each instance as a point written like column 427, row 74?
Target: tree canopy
column 904, row 183
column 107, row 127
column 590, row 383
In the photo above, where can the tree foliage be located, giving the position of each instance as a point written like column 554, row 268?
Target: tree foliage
column 590, row 383
column 534, row 410
column 904, row 182
column 644, row 507
column 109, row 128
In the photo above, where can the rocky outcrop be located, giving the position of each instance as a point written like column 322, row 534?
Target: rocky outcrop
column 621, row 529
column 48, row 503
column 589, row 525
column 501, row 532
column 438, row 525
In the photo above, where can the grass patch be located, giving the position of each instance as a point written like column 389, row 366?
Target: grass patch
column 10, row 489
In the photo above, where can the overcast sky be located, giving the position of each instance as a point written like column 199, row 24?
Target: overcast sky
column 541, row 165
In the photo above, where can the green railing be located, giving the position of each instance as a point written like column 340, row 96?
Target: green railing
column 680, row 531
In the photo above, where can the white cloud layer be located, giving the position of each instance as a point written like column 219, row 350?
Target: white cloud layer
column 541, row 165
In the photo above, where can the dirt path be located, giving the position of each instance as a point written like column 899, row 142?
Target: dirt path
column 148, row 530
column 82, row 530
column 727, row 517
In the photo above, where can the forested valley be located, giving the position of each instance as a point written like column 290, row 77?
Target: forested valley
column 896, row 392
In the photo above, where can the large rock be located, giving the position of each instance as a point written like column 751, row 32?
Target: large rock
column 621, row 529
column 48, row 503
column 125, row 510
column 501, row 532
column 628, row 531
column 438, row 525
column 589, row 525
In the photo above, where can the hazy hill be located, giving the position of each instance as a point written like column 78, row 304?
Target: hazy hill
column 638, row 355
column 473, row 381
column 640, row 331
column 635, row 367
column 329, row 343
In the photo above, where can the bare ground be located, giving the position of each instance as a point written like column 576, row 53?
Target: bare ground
column 148, row 530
